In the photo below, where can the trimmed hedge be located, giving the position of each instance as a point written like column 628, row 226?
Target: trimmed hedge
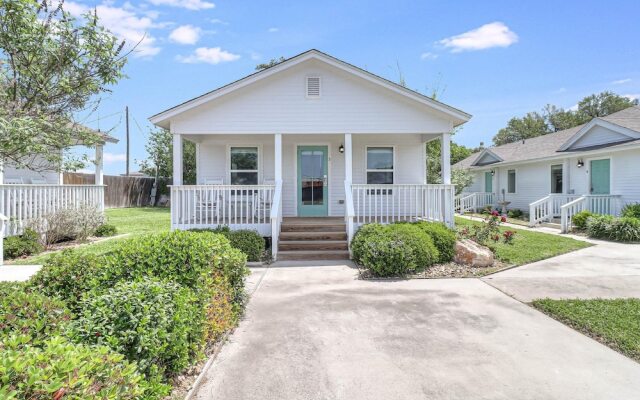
column 158, row 324
column 246, row 240
column 579, row 220
column 106, row 230
column 32, row 314
column 68, row 275
column 443, row 238
column 62, row 370
column 396, row 249
column 623, row 229
column 23, row 245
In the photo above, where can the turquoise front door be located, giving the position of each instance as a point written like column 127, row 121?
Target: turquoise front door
column 488, row 182
column 600, row 176
column 312, row 181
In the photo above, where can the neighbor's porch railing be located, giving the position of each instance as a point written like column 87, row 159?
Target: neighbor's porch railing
column 595, row 203
column 472, row 201
column 210, row 206
column 400, row 202
column 23, row 203
column 548, row 207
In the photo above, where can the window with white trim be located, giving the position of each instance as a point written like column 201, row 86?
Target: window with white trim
column 244, row 166
column 380, row 165
column 511, row 181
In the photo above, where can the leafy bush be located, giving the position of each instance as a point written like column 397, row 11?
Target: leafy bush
column 62, row 370
column 24, row 245
column 87, row 220
column 246, row 240
column 579, row 220
column 68, row 224
column 631, row 210
column 32, row 314
column 68, row 275
column 221, row 312
column 105, row 230
column 488, row 232
column 396, row 249
column 443, row 238
column 599, row 226
column 515, row 213
column 623, row 229
column 158, row 324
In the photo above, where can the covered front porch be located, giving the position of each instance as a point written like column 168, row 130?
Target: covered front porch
column 253, row 181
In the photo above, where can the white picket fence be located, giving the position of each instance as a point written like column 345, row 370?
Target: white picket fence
column 23, row 203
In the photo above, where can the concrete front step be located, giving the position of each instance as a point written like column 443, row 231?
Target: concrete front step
column 310, row 255
column 287, row 236
column 313, row 245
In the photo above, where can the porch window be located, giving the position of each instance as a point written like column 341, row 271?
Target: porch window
column 380, row 165
column 556, row 178
column 244, row 166
column 511, row 181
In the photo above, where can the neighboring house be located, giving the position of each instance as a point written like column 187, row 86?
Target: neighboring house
column 312, row 136
column 26, row 194
column 595, row 166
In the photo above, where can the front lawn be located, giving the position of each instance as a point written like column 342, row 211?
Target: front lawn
column 528, row 246
column 615, row 323
column 132, row 221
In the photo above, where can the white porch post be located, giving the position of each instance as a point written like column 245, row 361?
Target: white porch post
column 348, row 158
column 277, row 142
column 445, row 161
column 99, row 165
column 177, row 159
column 1, row 172
column 566, row 178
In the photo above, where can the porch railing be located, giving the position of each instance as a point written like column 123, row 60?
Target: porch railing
column 401, row 202
column 548, row 207
column 24, row 203
column 595, row 203
column 473, row 201
column 276, row 219
column 3, row 220
column 211, row 206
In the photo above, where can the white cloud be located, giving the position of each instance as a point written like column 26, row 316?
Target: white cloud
column 218, row 21
column 125, row 23
column 110, row 158
column 621, row 81
column 495, row 34
column 632, row 96
column 428, row 56
column 255, row 56
column 573, row 108
column 185, row 34
column 209, row 55
column 188, row 4
column 559, row 91
column 273, row 30
column 85, row 171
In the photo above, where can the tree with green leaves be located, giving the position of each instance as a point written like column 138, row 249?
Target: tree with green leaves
column 271, row 63
column 553, row 119
column 159, row 162
column 52, row 66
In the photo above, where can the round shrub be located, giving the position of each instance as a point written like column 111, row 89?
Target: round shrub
column 105, row 230
column 158, row 324
column 599, row 226
column 68, row 275
column 62, row 370
column 443, row 238
column 625, row 229
column 396, row 249
column 249, row 242
column 515, row 213
column 23, row 245
column 579, row 220
column 31, row 314
column 362, row 236
column 631, row 210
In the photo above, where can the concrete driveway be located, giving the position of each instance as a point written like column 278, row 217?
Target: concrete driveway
column 606, row 270
column 320, row 333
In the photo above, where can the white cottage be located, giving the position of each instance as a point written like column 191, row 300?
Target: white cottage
column 595, row 166
column 310, row 137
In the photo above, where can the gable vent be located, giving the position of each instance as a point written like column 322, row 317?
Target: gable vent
column 313, row 86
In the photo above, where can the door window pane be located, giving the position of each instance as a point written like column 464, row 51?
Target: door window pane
column 511, row 183
column 380, row 165
column 312, row 177
column 556, row 178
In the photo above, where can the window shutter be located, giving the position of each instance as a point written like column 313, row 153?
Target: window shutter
column 313, row 86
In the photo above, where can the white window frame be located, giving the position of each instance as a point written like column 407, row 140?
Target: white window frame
column 230, row 171
column 366, row 164
column 515, row 183
column 551, row 182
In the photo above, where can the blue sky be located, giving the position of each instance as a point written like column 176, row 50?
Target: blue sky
column 495, row 59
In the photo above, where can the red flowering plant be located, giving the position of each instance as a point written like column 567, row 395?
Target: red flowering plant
column 488, row 231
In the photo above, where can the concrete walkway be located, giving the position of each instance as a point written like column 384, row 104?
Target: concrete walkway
column 318, row 332
column 18, row 272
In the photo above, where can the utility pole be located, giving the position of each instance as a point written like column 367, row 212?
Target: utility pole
column 126, row 113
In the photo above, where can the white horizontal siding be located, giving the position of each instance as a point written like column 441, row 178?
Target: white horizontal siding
column 278, row 104
column 599, row 135
column 51, row 176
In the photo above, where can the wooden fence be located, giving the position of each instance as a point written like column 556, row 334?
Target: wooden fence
column 120, row 191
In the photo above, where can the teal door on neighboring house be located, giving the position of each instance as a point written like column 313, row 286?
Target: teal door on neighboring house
column 312, row 196
column 600, row 177
column 488, row 182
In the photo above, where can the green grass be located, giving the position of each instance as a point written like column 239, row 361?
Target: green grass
column 530, row 246
column 134, row 221
column 615, row 323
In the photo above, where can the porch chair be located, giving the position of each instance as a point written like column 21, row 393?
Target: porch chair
column 262, row 203
column 38, row 181
column 209, row 201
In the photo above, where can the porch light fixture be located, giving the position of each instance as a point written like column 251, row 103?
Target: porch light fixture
column 341, row 149
column 493, row 172
column 580, row 163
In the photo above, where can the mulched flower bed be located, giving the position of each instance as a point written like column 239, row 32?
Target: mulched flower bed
column 449, row 270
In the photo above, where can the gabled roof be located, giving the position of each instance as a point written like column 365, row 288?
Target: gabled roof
column 457, row 116
column 486, row 157
column 554, row 144
column 625, row 134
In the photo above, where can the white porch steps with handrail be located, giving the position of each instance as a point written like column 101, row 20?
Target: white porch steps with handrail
column 566, row 206
column 473, row 201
